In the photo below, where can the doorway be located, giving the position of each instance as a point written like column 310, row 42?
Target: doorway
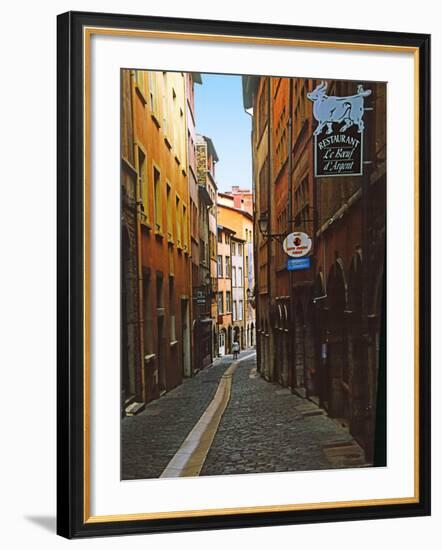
column 222, row 343
column 162, row 382
column 185, row 337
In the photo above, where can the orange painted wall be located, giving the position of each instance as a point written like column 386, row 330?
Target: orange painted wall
column 161, row 134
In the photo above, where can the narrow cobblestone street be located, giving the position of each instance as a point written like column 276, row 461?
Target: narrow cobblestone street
column 264, row 428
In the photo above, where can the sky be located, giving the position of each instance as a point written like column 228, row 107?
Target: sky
column 220, row 115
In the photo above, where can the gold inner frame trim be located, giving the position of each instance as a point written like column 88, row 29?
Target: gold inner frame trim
column 87, row 34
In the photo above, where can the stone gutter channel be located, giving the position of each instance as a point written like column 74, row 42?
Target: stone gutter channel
column 190, row 457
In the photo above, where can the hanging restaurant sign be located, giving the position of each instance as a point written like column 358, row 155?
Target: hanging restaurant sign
column 297, row 244
column 338, row 151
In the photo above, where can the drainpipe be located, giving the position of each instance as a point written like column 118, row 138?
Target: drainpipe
column 321, row 363
column 292, row 371
column 368, row 395
column 269, row 241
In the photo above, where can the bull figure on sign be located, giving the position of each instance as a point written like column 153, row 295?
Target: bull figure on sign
column 330, row 109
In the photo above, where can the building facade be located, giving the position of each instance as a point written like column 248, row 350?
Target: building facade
column 256, row 94
column 132, row 386
column 319, row 328
column 242, row 198
column 240, row 222
column 224, row 292
column 161, row 163
column 206, row 158
column 201, row 333
column 238, row 315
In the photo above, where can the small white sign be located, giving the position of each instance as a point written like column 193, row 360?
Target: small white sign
column 297, row 244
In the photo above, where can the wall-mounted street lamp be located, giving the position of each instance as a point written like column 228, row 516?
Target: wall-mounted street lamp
column 264, row 227
column 263, row 224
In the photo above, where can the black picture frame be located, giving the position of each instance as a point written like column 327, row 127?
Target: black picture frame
column 72, row 520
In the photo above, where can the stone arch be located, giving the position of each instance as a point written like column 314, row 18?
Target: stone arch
column 279, row 323
column 375, row 306
column 336, row 384
column 319, row 290
column 236, row 334
column 229, row 339
column 222, row 341
column 355, row 286
column 337, row 287
column 214, row 339
column 356, row 375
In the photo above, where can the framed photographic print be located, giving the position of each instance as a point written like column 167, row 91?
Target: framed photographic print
column 243, row 274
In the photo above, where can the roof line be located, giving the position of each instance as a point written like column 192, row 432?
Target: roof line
column 244, row 212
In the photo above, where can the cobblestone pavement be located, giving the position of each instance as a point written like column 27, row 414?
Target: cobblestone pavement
column 150, row 439
column 266, row 428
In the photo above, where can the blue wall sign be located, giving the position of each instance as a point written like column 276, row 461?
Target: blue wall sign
column 294, row 264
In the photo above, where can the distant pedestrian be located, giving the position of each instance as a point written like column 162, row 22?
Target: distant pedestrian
column 235, row 349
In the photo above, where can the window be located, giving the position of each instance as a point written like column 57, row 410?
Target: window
column 142, row 178
column 147, row 317
column 222, row 339
column 212, row 239
column 235, row 310
column 227, row 238
column 239, row 249
column 220, row 303
column 263, row 181
column 141, row 84
column 240, row 280
column 169, row 213
column 157, row 200
column 240, row 310
column 165, row 109
column 228, row 301
column 247, row 265
column 301, row 203
column 227, row 267
column 220, row 236
column 179, row 223
column 185, row 230
column 153, row 99
column 171, row 262
column 193, row 218
column 233, row 249
column 159, row 290
column 263, row 107
column 175, row 125
column 220, row 266
column 182, row 143
column 203, row 256
column 172, row 336
column 233, row 276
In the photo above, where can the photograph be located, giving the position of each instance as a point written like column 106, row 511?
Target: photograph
column 253, row 268
column 243, row 274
